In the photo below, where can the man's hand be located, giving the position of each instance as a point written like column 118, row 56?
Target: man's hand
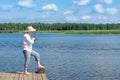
column 34, row 39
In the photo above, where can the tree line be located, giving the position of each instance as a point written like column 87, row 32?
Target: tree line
column 18, row 27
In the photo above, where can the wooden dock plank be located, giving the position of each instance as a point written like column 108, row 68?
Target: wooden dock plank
column 21, row 76
column 7, row 76
column 12, row 76
column 44, row 76
column 39, row 76
column 2, row 76
column 16, row 76
column 34, row 76
column 25, row 77
column 30, row 76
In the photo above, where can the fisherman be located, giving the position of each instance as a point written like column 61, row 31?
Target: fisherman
column 28, row 51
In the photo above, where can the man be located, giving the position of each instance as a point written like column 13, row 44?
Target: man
column 28, row 51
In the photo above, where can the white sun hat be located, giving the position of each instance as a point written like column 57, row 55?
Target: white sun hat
column 30, row 29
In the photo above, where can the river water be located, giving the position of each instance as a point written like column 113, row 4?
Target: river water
column 66, row 56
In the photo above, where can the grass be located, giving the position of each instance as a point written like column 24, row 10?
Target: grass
column 73, row 31
column 84, row 32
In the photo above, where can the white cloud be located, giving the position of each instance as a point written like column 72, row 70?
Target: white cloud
column 102, row 17
column 6, row 7
column 111, row 10
column 106, row 1
column 50, row 7
column 71, row 18
column 26, row 3
column 82, row 2
column 99, row 8
column 67, row 12
column 86, row 17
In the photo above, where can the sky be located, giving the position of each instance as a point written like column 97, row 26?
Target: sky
column 60, row 11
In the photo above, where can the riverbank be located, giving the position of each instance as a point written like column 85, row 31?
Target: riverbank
column 72, row 31
column 83, row 32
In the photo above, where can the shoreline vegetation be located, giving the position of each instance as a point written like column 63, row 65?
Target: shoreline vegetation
column 86, row 32
column 65, row 28
column 73, row 32
column 83, row 32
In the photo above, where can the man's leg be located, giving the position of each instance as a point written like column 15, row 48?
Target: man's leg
column 37, row 58
column 27, row 56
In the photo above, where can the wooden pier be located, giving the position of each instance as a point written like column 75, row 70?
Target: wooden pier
column 21, row 76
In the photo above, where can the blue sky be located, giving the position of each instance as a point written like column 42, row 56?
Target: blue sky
column 54, row 11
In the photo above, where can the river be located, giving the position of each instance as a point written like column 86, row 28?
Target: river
column 66, row 56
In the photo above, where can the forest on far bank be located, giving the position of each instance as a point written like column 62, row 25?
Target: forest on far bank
column 19, row 27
